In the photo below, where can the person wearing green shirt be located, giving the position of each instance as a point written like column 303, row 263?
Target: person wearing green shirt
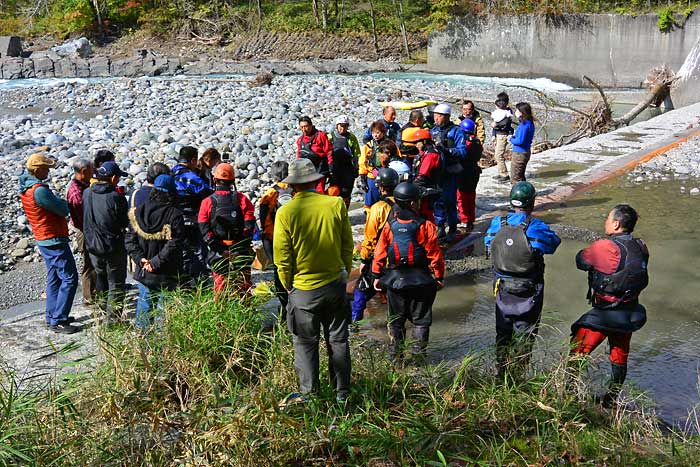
column 313, row 253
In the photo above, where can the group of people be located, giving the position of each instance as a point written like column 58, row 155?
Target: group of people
column 189, row 225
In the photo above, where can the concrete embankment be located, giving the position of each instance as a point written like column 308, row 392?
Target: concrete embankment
column 614, row 50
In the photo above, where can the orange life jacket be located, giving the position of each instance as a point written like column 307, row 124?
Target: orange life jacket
column 45, row 224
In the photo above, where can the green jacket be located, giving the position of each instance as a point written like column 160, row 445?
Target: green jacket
column 313, row 241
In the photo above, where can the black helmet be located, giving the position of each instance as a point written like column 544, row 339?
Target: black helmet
column 387, row 178
column 522, row 195
column 406, row 192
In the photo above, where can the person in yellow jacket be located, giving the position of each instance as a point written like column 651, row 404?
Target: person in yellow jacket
column 468, row 111
column 377, row 153
column 386, row 180
column 313, row 254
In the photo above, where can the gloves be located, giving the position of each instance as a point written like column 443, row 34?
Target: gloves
column 363, row 183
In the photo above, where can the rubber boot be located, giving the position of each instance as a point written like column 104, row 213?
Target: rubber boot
column 420, row 340
column 396, row 338
column 617, row 378
column 452, row 233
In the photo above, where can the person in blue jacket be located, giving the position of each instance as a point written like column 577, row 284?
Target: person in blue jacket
column 191, row 190
column 450, row 141
column 517, row 243
column 522, row 142
column 393, row 129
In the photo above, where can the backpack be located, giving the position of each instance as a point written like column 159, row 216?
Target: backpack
column 512, row 253
column 227, row 221
column 342, row 155
column 405, row 251
column 284, row 195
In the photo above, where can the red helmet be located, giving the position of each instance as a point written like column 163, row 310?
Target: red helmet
column 224, row 171
column 418, row 134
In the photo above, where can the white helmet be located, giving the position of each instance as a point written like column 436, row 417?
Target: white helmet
column 401, row 168
column 342, row 120
column 444, row 109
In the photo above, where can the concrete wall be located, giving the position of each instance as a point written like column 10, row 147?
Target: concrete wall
column 615, row 50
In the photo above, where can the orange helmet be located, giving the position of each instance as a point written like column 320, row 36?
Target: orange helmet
column 413, row 135
column 224, row 171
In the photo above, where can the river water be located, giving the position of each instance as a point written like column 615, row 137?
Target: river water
column 664, row 356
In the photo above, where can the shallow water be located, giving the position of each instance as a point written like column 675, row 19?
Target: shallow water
column 664, row 356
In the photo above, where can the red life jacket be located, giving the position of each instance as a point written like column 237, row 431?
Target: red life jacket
column 405, row 251
column 45, row 224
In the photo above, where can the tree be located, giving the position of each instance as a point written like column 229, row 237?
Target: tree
column 374, row 28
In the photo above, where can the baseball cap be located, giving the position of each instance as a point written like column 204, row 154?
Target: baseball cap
column 109, row 169
column 39, row 160
column 164, row 182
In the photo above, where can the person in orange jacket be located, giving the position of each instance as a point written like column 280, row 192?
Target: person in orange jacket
column 276, row 196
column 408, row 263
column 227, row 223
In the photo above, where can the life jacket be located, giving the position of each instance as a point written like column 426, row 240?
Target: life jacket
column 186, row 199
column 342, row 155
column 405, row 251
column 627, row 282
column 474, row 151
column 512, row 253
column 443, row 142
column 227, row 221
column 305, row 151
column 45, row 224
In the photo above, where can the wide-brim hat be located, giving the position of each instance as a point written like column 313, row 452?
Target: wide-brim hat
column 302, row 171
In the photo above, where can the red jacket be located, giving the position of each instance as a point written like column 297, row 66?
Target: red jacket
column 75, row 202
column 426, row 237
column 45, row 224
column 205, row 215
column 320, row 145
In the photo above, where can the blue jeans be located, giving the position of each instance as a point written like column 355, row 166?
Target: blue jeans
column 61, row 282
column 144, row 305
column 445, row 208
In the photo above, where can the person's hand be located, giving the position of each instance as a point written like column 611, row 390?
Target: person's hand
column 377, row 286
column 363, row 183
column 440, row 283
column 362, row 266
column 146, row 265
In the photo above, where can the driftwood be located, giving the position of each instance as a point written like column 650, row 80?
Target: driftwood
column 262, row 79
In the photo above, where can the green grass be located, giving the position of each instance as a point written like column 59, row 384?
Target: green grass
column 204, row 388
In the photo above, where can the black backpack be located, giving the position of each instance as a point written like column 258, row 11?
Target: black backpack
column 227, row 221
column 512, row 253
column 305, row 151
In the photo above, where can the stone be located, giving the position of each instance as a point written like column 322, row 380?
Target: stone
column 99, row 66
column 23, row 244
column 695, row 191
column 18, row 253
column 64, row 68
column 10, row 46
column 12, row 68
column 43, row 67
column 79, row 48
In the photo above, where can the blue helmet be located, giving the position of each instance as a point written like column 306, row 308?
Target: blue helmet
column 468, row 125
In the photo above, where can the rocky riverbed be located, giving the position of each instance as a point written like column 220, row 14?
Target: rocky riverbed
column 682, row 163
column 149, row 119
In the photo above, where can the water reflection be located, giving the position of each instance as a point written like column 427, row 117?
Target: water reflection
column 664, row 356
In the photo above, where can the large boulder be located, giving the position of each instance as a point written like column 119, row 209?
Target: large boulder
column 10, row 46
column 686, row 89
column 79, row 48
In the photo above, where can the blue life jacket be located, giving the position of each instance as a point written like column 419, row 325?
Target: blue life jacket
column 405, row 251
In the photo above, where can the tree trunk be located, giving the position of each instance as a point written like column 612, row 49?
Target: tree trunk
column 657, row 90
column 258, row 6
column 402, row 25
column 98, row 14
column 374, row 29
column 314, row 6
column 339, row 21
column 324, row 14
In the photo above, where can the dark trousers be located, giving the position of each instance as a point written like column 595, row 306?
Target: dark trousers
column 517, row 323
column 87, row 272
column 61, row 282
column 280, row 291
column 416, row 306
column 110, row 280
column 307, row 312
column 194, row 254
